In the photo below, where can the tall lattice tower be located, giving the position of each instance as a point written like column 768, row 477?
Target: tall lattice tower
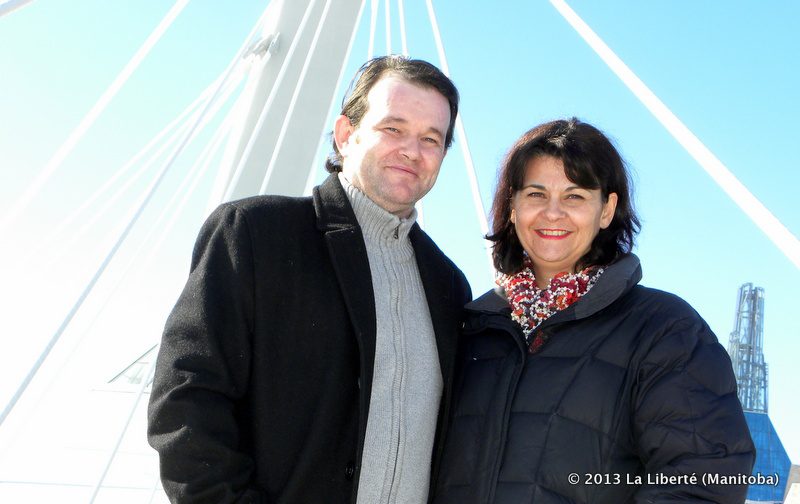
column 746, row 348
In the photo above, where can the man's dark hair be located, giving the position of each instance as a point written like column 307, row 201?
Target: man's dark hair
column 417, row 72
column 590, row 161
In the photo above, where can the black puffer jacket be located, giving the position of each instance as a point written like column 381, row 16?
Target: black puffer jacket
column 631, row 385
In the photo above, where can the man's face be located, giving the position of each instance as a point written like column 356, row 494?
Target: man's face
column 394, row 154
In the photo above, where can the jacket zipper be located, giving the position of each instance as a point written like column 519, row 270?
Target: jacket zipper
column 400, row 356
column 396, row 448
column 440, row 434
column 519, row 339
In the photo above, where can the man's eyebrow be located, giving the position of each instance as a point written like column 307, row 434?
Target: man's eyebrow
column 394, row 119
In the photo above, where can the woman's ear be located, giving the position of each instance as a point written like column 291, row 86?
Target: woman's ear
column 609, row 207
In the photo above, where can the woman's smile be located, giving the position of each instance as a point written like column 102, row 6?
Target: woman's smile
column 553, row 234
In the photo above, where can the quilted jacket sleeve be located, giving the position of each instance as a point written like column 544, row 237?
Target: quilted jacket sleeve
column 203, row 369
column 688, row 419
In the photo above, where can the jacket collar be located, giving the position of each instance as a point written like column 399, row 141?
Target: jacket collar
column 617, row 279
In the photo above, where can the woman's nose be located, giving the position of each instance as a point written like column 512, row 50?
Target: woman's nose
column 554, row 210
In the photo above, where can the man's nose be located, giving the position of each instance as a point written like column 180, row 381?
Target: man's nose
column 410, row 148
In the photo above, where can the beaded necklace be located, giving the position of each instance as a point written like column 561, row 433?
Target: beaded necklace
column 530, row 305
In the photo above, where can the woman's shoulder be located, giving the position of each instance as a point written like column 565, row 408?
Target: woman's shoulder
column 675, row 332
column 662, row 313
column 662, row 302
column 493, row 300
column 623, row 279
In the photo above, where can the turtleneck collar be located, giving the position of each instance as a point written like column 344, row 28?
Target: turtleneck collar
column 375, row 221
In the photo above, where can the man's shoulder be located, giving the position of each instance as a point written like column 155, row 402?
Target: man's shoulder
column 271, row 209
column 270, row 203
column 263, row 216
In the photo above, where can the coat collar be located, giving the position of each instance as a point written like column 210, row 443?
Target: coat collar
column 332, row 206
column 618, row 278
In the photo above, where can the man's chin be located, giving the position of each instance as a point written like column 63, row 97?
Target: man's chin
column 403, row 195
column 401, row 208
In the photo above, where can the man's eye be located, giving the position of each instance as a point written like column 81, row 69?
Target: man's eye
column 430, row 140
column 391, row 130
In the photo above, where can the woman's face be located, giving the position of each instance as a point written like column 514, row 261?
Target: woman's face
column 556, row 220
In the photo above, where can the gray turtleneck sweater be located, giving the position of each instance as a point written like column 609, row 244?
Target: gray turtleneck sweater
column 407, row 380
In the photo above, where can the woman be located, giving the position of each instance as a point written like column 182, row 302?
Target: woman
column 576, row 384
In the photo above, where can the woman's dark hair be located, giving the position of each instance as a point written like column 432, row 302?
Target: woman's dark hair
column 590, row 161
column 417, row 72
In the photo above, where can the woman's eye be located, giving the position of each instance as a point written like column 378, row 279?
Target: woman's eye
column 575, row 197
column 536, row 194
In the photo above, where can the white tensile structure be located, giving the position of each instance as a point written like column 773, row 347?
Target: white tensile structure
column 286, row 74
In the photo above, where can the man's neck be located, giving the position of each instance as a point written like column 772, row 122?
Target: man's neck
column 403, row 212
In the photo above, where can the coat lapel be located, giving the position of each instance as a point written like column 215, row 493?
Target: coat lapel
column 335, row 218
column 439, row 282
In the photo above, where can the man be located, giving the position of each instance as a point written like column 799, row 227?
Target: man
column 310, row 356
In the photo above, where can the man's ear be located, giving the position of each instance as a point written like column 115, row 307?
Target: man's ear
column 342, row 129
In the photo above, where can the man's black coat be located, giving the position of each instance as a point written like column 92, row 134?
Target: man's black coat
column 263, row 380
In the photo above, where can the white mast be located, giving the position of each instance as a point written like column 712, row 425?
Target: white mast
column 268, row 133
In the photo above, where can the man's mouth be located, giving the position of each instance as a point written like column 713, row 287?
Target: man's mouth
column 405, row 169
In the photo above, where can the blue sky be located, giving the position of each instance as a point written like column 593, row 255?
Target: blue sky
column 726, row 69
